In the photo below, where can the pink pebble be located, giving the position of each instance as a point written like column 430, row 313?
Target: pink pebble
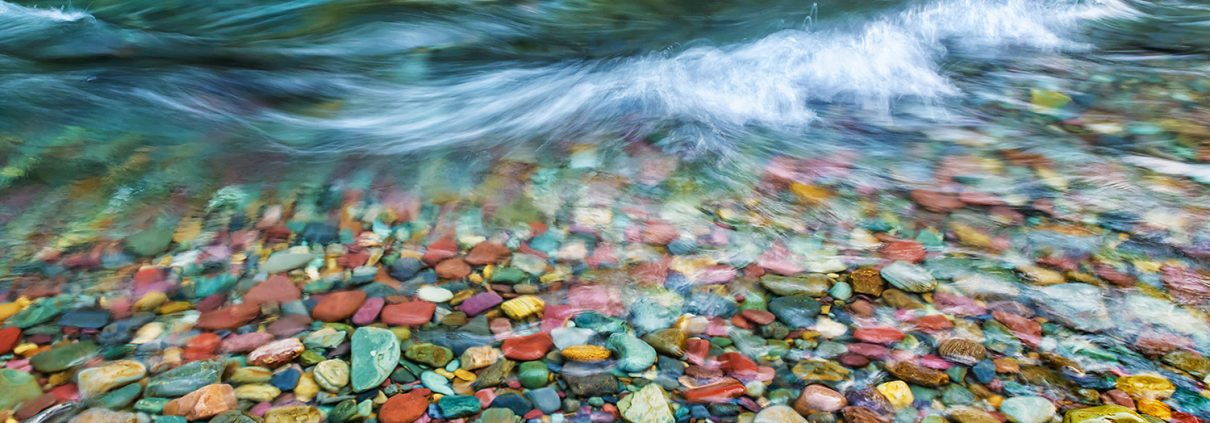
column 260, row 409
column 369, row 310
column 486, row 396
column 934, row 362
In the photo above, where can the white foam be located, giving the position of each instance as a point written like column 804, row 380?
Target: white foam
column 53, row 14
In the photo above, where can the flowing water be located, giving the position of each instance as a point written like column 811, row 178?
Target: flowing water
column 1043, row 163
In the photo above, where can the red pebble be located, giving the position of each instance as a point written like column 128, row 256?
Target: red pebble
column 696, row 350
column 338, row 306
column 910, row 251
column 527, row 348
column 933, row 323
column 404, row 408
column 411, row 313
column 229, row 317
column 878, row 335
column 201, row 347
column 738, row 366
column 718, row 392
column 759, row 317
column 8, row 339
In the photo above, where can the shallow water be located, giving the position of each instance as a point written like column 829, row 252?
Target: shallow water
column 1040, row 165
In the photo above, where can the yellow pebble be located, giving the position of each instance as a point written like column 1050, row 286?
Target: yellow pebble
column 438, row 397
column 1155, row 408
column 306, row 388
column 475, row 278
column 522, row 307
column 59, row 378
column 465, row 375
column 897, row 393
column 589, row 353
column 151, row 301
column 487, row 271
column 1150, row 386
column 444, row 373
column 173, row 307
column 403, row 333
column 9, row 309
column 825, row 309
column 25, row 348
column 995, row 400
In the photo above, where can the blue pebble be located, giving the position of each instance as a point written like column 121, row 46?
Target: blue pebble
column 984, row 371
column 699, row 412
column 285, row 380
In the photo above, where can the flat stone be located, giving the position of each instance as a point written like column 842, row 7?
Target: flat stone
column 375, row 353
column 545, row 399
column 94, row 381
column 18, row 387
column 411, row 313
column 796, row 311
column 331, row 375
column 434, row 294
column 528, row 347
column 909, row 277
column 285, row 261
column 85, row 318
column 819, row 399
column 480, row 303
column 294, row 414
column 228, row 318
column 813, row 284
column 487, row 253
column 368, row 312
column 634, row 355
column 64, row 357
column 276, row 289
column 9, row 337
column 276, row 353
column 246, row 342
column 207, row 401
column 403, row 408
column 454, row 268
column 457, row 406
column 1028, row 409
column 338, row 306
column 648, row 405
column 778, row 414
column 430, row 354
column 475, row 358
column 187, row 378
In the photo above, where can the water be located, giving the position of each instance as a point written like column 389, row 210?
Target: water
column 1046, row 159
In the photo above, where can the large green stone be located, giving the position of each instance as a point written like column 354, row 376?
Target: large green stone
column 65, row 357
column 375, row 353
column 286, row 261
column 456, row 406
column 185, row 379
column 18, row 387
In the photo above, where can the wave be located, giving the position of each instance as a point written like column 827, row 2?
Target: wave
column 706, row 95
column 775, row 82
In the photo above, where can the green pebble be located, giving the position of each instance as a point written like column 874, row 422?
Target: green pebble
column 533, row 374
column 841, row 291
column 151, row 405
column 118, row 398
column 509, row 275
column 456, row 406
column 18, row 387
column 311, row 358
column 64, row 357
column 430, row 354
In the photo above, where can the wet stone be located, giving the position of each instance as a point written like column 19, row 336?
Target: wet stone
column 84, row 318
column 375, row 352
column 795, row 311
column 64, row 357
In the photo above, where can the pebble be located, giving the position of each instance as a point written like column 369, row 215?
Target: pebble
column 909, row 277
column 649, row 404
column 94, row 381
column 205, row 402
column 331, row 375
column 1028, row 409
column 375, row 352
column 434, row 294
